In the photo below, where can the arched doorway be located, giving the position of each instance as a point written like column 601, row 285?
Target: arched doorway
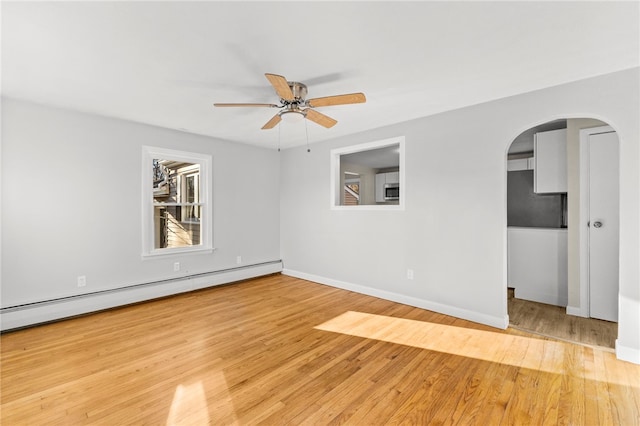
column 545, row 241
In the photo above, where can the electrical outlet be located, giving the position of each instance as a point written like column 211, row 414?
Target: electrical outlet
column 82, row 281
column 409, row 274
column 176, row 266
column 238, row 259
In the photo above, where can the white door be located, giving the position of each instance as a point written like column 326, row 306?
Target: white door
column 603, row 226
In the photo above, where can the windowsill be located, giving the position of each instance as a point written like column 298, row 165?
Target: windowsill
column 177, row 251
column 393, row 207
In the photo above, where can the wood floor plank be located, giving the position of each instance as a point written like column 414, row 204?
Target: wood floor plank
column 622, row 390
column 633, row 379
column 547, row 387
column 552, row 321
column 571, row 408
column 432, row 404
column 279, row 350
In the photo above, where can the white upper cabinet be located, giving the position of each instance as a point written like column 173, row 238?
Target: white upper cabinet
column 393, row 177
column 550, row 153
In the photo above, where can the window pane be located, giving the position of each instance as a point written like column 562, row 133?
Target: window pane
column 176, row 182
column 192, row 190
column 162, row 180
column 170, row 231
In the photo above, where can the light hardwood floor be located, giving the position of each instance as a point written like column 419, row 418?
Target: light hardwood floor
column 279, row 350
column 552, row 321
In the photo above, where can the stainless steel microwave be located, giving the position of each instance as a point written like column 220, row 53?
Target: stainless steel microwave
column 391, row 191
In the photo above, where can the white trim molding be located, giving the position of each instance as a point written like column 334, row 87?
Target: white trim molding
column 497, row 322
column 627, row 353
column 577, row 311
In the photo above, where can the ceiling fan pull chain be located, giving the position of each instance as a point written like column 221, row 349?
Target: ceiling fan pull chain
column 306, row 131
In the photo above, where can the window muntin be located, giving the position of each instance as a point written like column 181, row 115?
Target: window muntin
column 176, row 202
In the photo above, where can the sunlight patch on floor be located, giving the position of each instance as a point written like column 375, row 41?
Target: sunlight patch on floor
column 200, row 401
column 189, row 405
column 519, row 351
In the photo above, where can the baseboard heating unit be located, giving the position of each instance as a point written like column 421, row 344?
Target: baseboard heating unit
column 14, row 317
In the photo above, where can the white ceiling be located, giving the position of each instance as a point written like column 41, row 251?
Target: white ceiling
column 378, row 158
column 165, row 63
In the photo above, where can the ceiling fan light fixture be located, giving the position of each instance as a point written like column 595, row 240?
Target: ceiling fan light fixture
column 292, row 116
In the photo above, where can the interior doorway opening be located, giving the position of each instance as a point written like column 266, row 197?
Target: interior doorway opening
column 546, row 283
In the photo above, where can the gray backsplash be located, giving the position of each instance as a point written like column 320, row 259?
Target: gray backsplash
column 528, row 209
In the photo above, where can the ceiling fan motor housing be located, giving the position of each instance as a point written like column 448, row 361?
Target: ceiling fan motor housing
column 299, row 90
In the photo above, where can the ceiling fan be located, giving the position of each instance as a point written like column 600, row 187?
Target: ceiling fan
column 293, row 104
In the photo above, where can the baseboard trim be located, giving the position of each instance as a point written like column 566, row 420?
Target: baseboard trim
column 576, row 311
column 627, row 353
column 52, row 310
column 533, row 296
column 498, row 322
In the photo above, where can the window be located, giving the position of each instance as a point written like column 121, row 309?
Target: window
column 369, row 176
column 351, row 189
column 177, row 197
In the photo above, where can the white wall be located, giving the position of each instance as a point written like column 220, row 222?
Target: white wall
column 453, row 230
column 71, row 204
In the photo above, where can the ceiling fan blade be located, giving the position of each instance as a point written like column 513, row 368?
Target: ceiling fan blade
column 319, row 118
column 281, row 85
column 351, row 98
column 272, row 123
column 247, row 105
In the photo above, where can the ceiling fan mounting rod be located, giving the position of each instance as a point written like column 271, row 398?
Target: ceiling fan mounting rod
column 299, row 90
column 296, row 103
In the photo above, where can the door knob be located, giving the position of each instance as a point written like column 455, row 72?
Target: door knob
column 597, row 224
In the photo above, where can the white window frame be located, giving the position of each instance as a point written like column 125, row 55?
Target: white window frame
column 183, row 175
column 205, row 162
column 335, row 174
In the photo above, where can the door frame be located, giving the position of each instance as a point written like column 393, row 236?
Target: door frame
column 583, row 311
